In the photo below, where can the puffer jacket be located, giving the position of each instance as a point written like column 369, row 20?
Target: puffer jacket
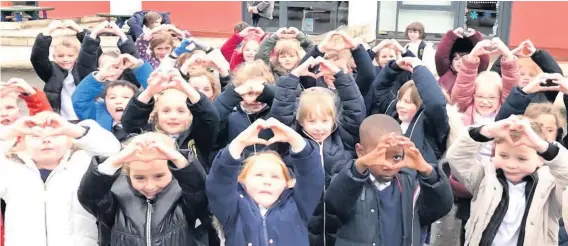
column 49, row 213
column 49, row 72
column 167, row 219
column 544, row 199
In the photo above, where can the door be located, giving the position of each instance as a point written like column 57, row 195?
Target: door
column 492, row 18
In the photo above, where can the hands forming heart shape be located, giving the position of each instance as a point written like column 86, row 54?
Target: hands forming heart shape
column 166, row 78
column 461, row 33
column 44, row 124
column 287, row 33
column 282, row 134
column 337, row 41
column 16, row 85
column 326, row 67
column 525, row 49
column 515, row 131
column 488, row 47
column 252, row 31
column 62, row 25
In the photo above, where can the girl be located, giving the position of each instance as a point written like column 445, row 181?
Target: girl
column 12, row 92
column 170, row 105
column 249, row 41
column 40, row 176
column 449, row 52
column 288, row 45
column 419, row 105
column 91, row 58
column 424, row 51
column 205, row 82
column 248, row 98
column 316, row 118
column 262, row 205
column 156, row 202
column 158, row 43
column 59, row 76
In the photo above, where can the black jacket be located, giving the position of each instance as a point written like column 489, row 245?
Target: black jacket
column 136, row 23
column 49, row 71
column 354, row 199
column 88, row 60
column 170, row 216
column 198, row 139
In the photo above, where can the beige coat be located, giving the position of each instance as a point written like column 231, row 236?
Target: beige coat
column 541, row 228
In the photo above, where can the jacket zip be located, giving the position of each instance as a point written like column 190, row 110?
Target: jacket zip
column 45, row 205
column 324, row 189
column 264, row 228
column 149, row 223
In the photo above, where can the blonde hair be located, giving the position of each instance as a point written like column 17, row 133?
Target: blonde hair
column 487, row 77
column 155, row 136
column 316, row 102
column 213, row 80
column 250, row 70
column 529, row 65
column 67, row 42
column 414, row 95
column 264, row 157
column 286, row 47
column 516, row 135
column 159, row 100
column 534, row 110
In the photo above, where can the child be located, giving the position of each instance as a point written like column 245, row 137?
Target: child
column 288, row 45
column 316, row 117
column 162, row 191
column 249, row 41
column 249, row 98
column 173, row 107
column 92, row 58
column 449, row 52
column 144, row 21
column 40, row 176
column 116, row 93
column 419, row 105
column 205, row 82
column 155, row 45
column 389, row 192
column 241, row 25
column 480, row 96
column 519, row 194
column 12, row 92
column 260, row 204
column 424, row 51
column 59, row 76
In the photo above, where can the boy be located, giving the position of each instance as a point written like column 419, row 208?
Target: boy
column 517, row 199
column 390, row 193
column 143, row 21
column 59, row 76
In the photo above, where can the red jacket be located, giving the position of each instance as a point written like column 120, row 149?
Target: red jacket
column 36, row 103
column 230, row 52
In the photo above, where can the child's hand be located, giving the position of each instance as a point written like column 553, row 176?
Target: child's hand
column 500, row 129
column 115, row 30
column 469, row 33
column 529, row 137
column 526, row 49
column 349, row 42
column 503, row 49
column 54, row 25
column 127, row 61
column 251, row 31
column 398, row 46
column 459, row 32
column 285, row 134
column 326, row 67
column 109, row 70
column 485, row 47
column 101, row 28
column 382, row 44
column 408, row 63
column 412, row 157
column 55, row 125
column 72, row 25
column 249, row 92
column 331, row 42
column 130, row 153
column 247, row 138
column 17, row 85
column 165, row 153
column 380, row 157
column 539, row 84
column 157, row 82
column 22, row 127
column 560, row 81
column 304, row 68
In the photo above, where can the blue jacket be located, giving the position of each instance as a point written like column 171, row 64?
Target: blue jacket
column 85, row 105
column 354, row 198
column 285, row 222
column 337, row 149
column 136, row 23
column 429, row 128
column 234, row 120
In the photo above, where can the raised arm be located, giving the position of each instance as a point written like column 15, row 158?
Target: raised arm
column 443, row 52
column 230, row 46
column 40, row 56
column 383, row 98
column 267, row 46
column 462, row 93
column 310, row 178
column 353, row 105
column 84, row 97
column 285, row 99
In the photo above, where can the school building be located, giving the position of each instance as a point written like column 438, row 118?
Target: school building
column 543, row 22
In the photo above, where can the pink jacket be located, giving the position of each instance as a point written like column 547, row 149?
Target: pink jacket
column 463, row 91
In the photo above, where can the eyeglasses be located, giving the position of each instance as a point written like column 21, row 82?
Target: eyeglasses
column 482, row 98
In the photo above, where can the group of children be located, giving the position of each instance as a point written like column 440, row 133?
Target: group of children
column 274, row 140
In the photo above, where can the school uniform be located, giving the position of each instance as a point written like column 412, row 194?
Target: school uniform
column 336, row 150
column 42, row 206
column 392, row 213
column 265, row 51
column 198, row 139
column 494, row 217
column 59, row 83
column 88, row 59
column 285, row 222
column 429, row 128
column 88, row 107
column 167, row 219
column 450, row 44
column 234, row 119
